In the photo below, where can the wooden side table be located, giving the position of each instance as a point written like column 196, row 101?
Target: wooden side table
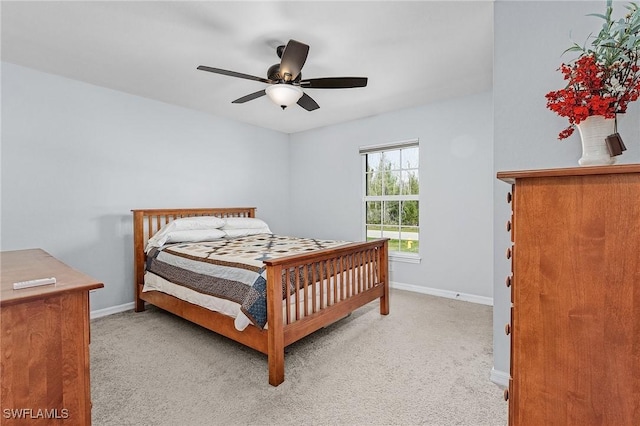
column 44, row 334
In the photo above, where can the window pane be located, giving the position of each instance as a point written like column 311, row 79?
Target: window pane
column 392, row 159
column 373, row 161
column 393, row 244
column 410, row 158
column 374, row 212
column 374, row 184
column 410, row 213
column 373, row 232
column 391, row 213
column 408, row 240
column 391, row 183
column 410, row 183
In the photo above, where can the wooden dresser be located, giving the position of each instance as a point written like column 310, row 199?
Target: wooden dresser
column 575, row 293
column 44, row 342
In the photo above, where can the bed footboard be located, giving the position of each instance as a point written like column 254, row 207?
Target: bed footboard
column 331, row 283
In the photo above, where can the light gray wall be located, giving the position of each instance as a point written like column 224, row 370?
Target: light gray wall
column 97, row 153
column 456, row 187
column 529, row 38
column 76, row 158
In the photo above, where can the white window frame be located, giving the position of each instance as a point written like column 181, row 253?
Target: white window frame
column 364, row 150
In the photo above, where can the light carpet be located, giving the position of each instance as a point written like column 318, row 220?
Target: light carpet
column 426, row 363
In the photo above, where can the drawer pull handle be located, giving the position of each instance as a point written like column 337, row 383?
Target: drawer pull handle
column 507, row 329
column 506, row 394
column 509, row 253
column 508, row 281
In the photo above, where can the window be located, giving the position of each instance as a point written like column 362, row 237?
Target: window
column 391, row 196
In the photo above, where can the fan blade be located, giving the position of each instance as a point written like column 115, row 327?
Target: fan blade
column 234, row 74
column 307, row 103
column 293, row 58
column 250, row 97
column 334, row 83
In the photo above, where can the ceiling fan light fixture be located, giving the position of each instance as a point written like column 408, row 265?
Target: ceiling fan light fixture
column 284, row 95
column 285, row 79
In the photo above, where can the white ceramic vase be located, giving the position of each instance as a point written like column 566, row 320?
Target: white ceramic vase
column 593, row 132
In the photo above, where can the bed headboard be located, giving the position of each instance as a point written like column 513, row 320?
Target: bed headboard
column 147, row 222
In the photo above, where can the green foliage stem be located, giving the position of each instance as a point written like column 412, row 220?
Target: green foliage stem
column 618, row 40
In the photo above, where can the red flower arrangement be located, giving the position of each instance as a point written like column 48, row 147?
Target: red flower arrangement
column 606, row 77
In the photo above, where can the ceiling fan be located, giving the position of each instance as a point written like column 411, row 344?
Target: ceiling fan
column 285, row 80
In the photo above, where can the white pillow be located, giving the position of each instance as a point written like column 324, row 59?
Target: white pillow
column 184, row 224
column 244, row 223
column 243, row 232
column 197, row 222
column 194, row 236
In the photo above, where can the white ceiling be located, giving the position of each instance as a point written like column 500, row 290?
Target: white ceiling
column 412, row 52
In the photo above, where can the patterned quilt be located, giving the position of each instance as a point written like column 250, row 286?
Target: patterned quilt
column 231, row 269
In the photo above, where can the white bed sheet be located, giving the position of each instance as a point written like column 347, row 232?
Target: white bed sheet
column 224, row 306
column 153, row 282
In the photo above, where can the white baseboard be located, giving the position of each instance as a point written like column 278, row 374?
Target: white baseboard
column 112, row 310
column 500, row 378
column 400, row 286
column 443, row 293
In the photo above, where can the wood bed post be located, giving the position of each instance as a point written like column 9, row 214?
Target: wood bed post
column 383, row 261
column 275, row 327
column 138, row 250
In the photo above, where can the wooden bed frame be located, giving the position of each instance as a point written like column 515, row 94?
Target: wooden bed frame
column 364, row 279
